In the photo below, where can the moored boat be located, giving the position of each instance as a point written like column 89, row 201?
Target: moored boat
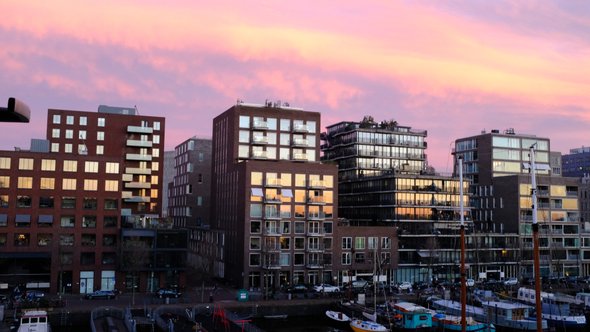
column 503, row 314
column 445, row 322
column 34, row 320
column 337, row 316
column 358, row 325
column 410, row 316
column 559, row 314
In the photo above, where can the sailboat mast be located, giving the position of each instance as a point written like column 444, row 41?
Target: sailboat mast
column 536, row 262
column 462, row 268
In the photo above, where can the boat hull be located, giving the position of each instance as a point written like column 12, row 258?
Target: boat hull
column 358, row 325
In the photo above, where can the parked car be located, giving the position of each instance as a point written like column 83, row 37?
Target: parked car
column 101, row 294
column 168, row 292
column 326, row 288
column 298, row 288
column 511, row 282
column 406, row 285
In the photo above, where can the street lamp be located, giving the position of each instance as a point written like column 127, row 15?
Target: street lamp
column 17, row 111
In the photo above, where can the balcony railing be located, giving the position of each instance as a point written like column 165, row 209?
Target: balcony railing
column 140, row 130
column 276, row 231
column 260, row 125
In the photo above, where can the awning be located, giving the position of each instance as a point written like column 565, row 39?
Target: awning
column 287, row 192
column 257, row 192
column 45, row 219
column 23, row 218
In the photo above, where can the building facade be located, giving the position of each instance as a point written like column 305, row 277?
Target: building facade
column 386, row 189
column 577, row 162
column 271, row 197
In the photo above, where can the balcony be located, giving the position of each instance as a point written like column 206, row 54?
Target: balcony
column 137, row 199
column 273, row 231
column 260, row 140
column 272, row 216
column 272, row 200
column 316, row 248
column 299, row 142
column 140, row 130
column 299, row 156
column 316, row 216
column 138, row 157
column 317, row 200
column 299, row 128
column 259, row 155
column 316, row 185
column 139, row 143
column 138, row 185
column 260, row 125
column 137, row 170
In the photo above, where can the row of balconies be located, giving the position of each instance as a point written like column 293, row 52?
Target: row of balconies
column 296, row 142
column 315, row 200
column 277, row 248
column 277, row 231
column 278, row 216
column 276, row 183
column 296, row 128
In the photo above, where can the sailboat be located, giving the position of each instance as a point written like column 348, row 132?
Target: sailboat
column 370, row 324
column 455, row 317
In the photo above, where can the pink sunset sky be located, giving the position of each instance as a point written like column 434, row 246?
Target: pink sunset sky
column 454, row 68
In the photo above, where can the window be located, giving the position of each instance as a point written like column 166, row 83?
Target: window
column 21, row 239
column 109, row 240
column 23, row 201
column 385, row 243
column 112, row 168
column 346, row 258
column 68, row 184
column 87, row 258
column 347, row 243
column 4, row 182
column 90, row 185
column 100, row 150
column 155, row 153
column 82, row 134
column 66, row 240
column 90, row 203
column 56, row 118
column 111, row 185
column 91, row 166
column 68, row 221
column 25, row 182
column 199, row 200
column 373, row 242
column 25, row 163
column 46, row 202
column 70, row 119
column 48, row 165
column 4, row 201
column 299, row 227
column 54, row 147
column 68, row 203
column 110, row 221
column 156, row 125
column 110, row 203
column 254, row 260
column 255, row 243
column 69, row 133
column 47, row 183
column 89, row 222
column 155, row 166
column 100, row 135
column 244, row 121
column 156, row 139
column 359, row 242
column 55, row 133
column 44, row 239
column 70, row 166
column 4, row 163
column 101, row 122
column 83, row 121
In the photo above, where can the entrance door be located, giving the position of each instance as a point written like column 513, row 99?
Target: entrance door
column 86, row 282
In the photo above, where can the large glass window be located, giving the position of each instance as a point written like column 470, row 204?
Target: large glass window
column 90, row 203
column 90, row 185
column 70, row 166
column 68, row 202
column 47, row 183
column 48, row 165
column 68, row 221
column 244, row 121
column 359, row 242
column 112, row 168
column 347, row 242
column 46, row 202
column 89, row 222
column 4, row 163
column 68, row 184
column 56, row 118
column 4, row 182
column 23, row 201
column 25, row 163
column 91, row 167
column 25, row 182
column 111, row 185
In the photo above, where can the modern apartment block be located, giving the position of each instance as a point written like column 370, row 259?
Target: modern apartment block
column 272, row 198
column 190, row 190
column 577, row 162
column 498, row 163
column 387, row 191
column 82, row 208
